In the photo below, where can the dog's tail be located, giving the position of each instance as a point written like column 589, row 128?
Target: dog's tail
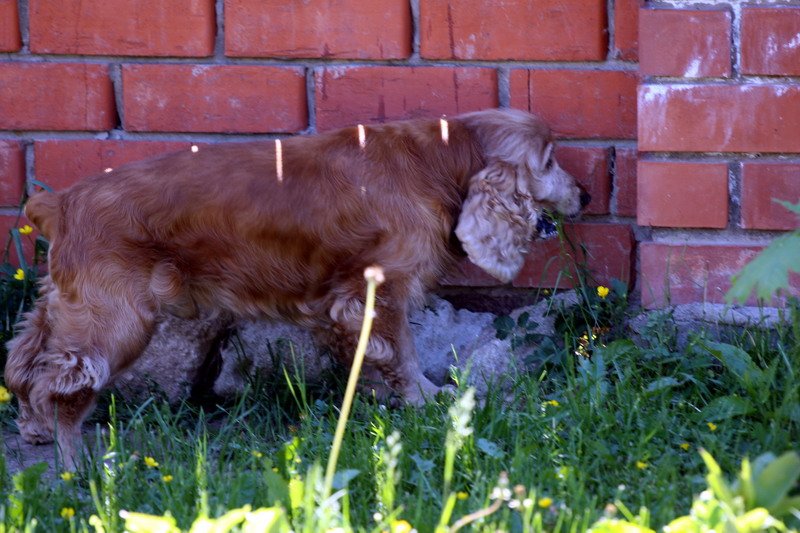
column 44, row 210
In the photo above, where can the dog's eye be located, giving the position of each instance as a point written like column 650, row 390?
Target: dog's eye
column 549, row 164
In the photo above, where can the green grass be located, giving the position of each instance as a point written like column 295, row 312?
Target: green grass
column 624, row 425
column 594, row 425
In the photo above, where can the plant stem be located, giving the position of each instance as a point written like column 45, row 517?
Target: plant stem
column 374, row 277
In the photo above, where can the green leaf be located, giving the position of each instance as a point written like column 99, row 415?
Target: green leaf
column 737, row 361
column 342, row 477
column 777, row 478
column 504, row 326
column 272, row 520
column 716, row 481
column 791, row 207
column 755, row 520
column 145, row 523
column 490, row 448
column 769, row 271
column 662, row 384
column 726, row 407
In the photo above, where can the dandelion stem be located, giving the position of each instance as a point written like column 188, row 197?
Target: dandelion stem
column 374, row 276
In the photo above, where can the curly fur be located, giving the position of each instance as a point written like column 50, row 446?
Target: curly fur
column 225, row 230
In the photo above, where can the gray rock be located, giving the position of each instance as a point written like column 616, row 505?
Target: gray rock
column 261, row 348
column 717, row 321
column 172, row 362
column 444, row 337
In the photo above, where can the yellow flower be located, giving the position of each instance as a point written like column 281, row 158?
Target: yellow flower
column 641, row 465
column 166, row 479
column 67, row 476
column 712, row 426
column 5, row 396
column 462, row 495
column 149, row 461
column 602, row 292
column 257, row 453
column 20, row 275
column 554, row 403
column 67, row 512
column 25, row 230
column 401, row 526
column 544, row 503
column 685, row 446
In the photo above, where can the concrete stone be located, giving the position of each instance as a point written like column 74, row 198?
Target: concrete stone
column 261, row 348
column 445, row 337
column 172, row 362
column 714, row 320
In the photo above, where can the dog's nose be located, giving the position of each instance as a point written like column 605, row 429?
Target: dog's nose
column 585, row 198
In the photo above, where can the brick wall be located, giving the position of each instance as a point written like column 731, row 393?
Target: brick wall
column 719, row 136
column 89, row 85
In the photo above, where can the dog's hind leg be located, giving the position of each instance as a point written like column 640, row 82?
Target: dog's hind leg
column 391, row 355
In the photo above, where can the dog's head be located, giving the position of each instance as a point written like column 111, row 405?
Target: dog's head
column 506, row 199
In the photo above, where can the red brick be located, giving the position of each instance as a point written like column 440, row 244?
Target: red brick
column 606, row 249
column 122, row 27
column 228, row 98
column 56, row 96
column 10, row 39
column 373, row 95
column 625, row 181
column 579, row 103
column 12, row 172
column 590, row 167
column 379, row 29
column 682, row 195
column 60, row 163
column 626, row 29
column 761, row 182
column 685, row 43
column 674, row 274
column 545, row 30
column 771, row 41
column 719, row 118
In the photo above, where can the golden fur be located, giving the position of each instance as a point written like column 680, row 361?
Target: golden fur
column 215, row 231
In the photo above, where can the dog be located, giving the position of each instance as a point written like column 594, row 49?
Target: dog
column 277, row 230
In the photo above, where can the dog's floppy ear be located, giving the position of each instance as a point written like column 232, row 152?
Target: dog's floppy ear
column 496, row 221
column 43, row 209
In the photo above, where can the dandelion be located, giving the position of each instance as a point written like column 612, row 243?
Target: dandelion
column 685, row 446
column 257, row 454
column 67, row 512
column 545, row 502
column 401, row 526
column 167, row 478
column 462, row 495
column 25, row 230
column 602, row 292
column 641, row 465
column 712, row 426
column 553, row 403
column 67, row 476
column 150, row 462
column 5, row 396
column 20, row 275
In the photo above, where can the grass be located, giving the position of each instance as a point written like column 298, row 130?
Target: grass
column 595, row 425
